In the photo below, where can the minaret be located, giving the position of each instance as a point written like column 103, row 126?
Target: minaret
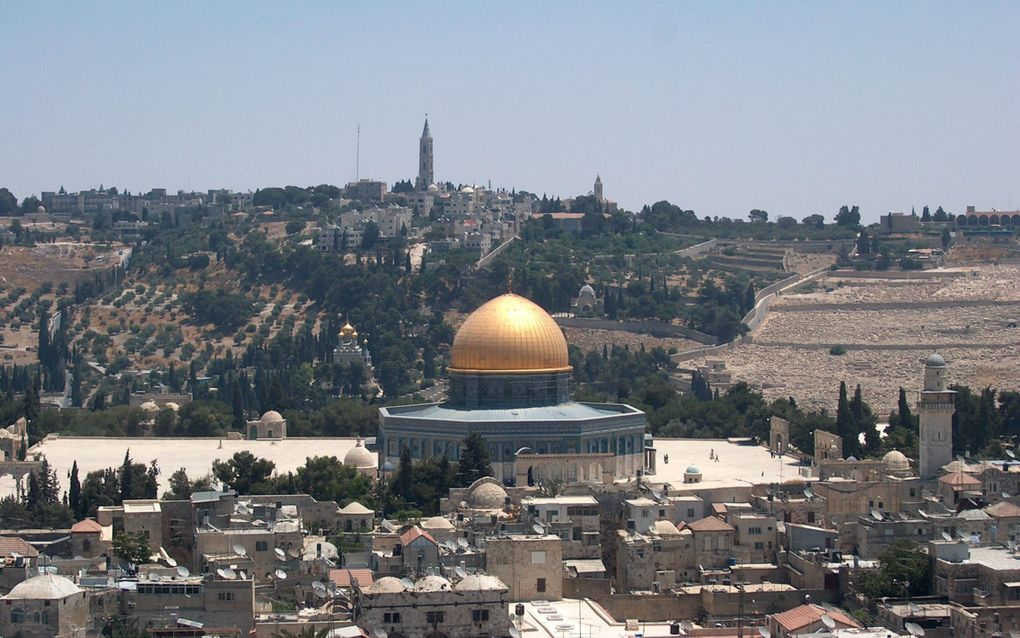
column 598, row 189
column 425, row 174
column 935, row 408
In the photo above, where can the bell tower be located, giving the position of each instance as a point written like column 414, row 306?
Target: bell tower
column 935, row 408
column 425, row 173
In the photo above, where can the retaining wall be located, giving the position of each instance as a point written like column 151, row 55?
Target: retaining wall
column 647, row 326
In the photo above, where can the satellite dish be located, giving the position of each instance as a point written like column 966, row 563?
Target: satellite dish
column 463, row 543
column 229, row 574
column 242, row 575
column 182, row 571
column 293, row 552
column 914, row 629
column 407, row 583
column 538, row 529
column 280, row 554
column 243, row 509
column 460, row 571
column 764, row 632
column 875, row 514
column 657, row 495
column 1005, row 495
column 240, row 550
column 946, row 536
column 318, row 586
column 808, row 493
column 379, row 633
column 170, row 562
column 914, row 607
column 153, row 577
column 222, row 573
column 828, row 621
column 515, row 632
column 280, row 574
column 686, row 625
column 1011, row 454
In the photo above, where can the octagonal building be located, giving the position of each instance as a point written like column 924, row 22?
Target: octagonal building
column 510, row 381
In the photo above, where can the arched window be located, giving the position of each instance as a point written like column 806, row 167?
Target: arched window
column 17, row 616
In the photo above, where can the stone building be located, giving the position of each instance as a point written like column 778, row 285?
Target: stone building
column 935, row 409
column 532, row 565
column 713, row 542
column 477, row 605
column 271, row 425
column 575, row 519
column 212, row 601
column 426, row 169
column 655, row 560
column 510, row 382
column 44, row 606
column 587, row 303
column 349, row 349
column 89, row 538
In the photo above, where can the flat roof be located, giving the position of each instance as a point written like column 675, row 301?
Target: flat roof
column 572, row 411
column 733, row 465
column 551, row 618
column 997, row 558
column 559, row 500
column 195, row 455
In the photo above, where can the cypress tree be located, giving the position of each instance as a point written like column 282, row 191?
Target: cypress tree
column 74, row 493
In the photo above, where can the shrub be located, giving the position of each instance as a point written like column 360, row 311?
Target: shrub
column 837, row 350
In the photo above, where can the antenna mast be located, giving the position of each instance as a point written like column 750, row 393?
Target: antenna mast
column 357, row 155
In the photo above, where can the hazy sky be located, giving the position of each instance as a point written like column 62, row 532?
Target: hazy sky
column 721, row 107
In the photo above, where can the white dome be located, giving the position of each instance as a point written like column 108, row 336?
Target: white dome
column 896, row 461
column 664, row 528
column 586, row 290
column 486, row 494
column 386, row 585
column 467, row 190
column 480, row 582
column 271, row 416
column 437, row 523
column 432, row 188
column 355, row 507
column 149, row 406
column 172, row 406
column 432, row 583
column 359, row 457
column 43, row 587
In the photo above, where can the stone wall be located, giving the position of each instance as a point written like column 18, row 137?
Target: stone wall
column 649, row 327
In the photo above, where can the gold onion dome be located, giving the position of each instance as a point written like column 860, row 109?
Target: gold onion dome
column 347, row 330
column 509, row 334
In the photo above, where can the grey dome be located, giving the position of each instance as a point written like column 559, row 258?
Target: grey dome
column 935, row 360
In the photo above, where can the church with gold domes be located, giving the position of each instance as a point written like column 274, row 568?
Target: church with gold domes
column 510, row 381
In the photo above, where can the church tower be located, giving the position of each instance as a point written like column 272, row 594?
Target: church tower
column 598, row 191
column 935, row 409
column 425, row 174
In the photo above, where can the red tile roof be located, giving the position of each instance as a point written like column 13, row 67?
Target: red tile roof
column 410, row 535
column 343, row 577
column 87, row 526
column 805, row 615
column 14, row 545
column 960, row 479
column 710, row 524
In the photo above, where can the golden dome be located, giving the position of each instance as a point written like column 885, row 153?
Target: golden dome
column 509, row 334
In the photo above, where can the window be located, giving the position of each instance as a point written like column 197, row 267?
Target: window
column 537, row 558
column 433, row 617
column 644, row 513
column 480, row 615
column 46, row 617
column 759, row 545
column 225, row 595
column 913, row 492
column 540, row 585
column 811, row 517
column 86, row 546
column 754, row 530
column 577, row 534
column 662, row 513
column 391, row 617
column 17, row 616
column 261, row 546
column 690, row 512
